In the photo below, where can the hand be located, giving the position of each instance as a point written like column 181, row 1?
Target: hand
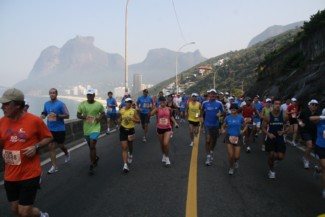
column 271, row 136
column 29, row 151
column 176, row 125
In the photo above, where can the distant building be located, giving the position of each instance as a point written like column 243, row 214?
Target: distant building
column 119, row 91
column 203, row 70
column 137, row 82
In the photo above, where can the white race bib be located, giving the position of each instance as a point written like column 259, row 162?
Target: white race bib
column 163, row 121
column 11, row 157
column 90, row 119
column 233, row 139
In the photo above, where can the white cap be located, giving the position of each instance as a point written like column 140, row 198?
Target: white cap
column 231, row 97
column 91, row 91
column 221, row 93
column 128, row 99
column 313, row 101
column 268, row 100
column 293, row 99
column 227, row 93
column 195, row 94
column 212, row 90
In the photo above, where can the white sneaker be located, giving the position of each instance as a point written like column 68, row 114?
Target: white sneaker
column 108, row 131
column 305, row 162
column 116, row 127
column 271, row 175
column 191, row 144
column 231, row 171
column 248, row 149
column 171, row 135
column 130, row 158
column 294, row 143
column 126, row 168
column 67, row 158
column 163, row 158
column 263, row 148
column 144, row 139
column 53, row 170
column 44, row 214
column 208, row 160
column 167, row 163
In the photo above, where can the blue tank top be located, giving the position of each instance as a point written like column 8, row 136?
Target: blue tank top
column 276, row 124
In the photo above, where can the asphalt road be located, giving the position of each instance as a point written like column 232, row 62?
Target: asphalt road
column 151, row 190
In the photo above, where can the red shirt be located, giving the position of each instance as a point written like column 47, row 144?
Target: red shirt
column 18, row 135
column 292, row 108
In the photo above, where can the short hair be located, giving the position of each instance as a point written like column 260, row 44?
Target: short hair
column 276, row 99
column 56, row 91
column 109, row 92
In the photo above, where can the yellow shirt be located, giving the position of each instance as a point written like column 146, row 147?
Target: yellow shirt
column 194, row 111
column 127, row 118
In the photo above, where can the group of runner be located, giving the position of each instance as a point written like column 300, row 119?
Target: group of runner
column 22, row 134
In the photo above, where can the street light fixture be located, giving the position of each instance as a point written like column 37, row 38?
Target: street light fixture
column 176, row 81
column 126, row 49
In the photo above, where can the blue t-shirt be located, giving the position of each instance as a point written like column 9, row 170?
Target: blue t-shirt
column 144, row 103
column 258, row 106
column 234, row 124
column 211, row 109
column 182, row 106
column 111, row 105
column 58, row 107
column 320, row 141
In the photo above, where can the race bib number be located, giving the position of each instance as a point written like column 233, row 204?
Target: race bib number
column 90, row 119
column 233, row 139
column 11, row 157
column 248, row 120
column 145, row 105
column 109, row 109
column 51, row 117
column 163, row 121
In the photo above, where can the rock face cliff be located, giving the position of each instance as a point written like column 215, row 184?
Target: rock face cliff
column 79, row 62
column 298, row 71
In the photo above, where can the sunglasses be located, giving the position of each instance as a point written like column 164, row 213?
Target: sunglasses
column 314, row 104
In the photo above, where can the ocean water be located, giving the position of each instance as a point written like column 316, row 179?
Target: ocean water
column 36, row 105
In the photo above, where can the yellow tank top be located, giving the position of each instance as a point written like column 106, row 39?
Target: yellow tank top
column 127, row 117
column 194, row 111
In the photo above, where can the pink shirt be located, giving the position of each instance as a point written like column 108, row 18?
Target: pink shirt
column 163, row 118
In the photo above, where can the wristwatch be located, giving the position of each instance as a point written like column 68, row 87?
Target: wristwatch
column 37, row 147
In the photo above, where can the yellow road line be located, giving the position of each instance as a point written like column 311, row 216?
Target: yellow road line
column 191, row 202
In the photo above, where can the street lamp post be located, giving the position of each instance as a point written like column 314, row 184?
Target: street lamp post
column 126, row 49
column 176, row 81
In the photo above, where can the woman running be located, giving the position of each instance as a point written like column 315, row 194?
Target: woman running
column 127, row 120
column 236, row 126
column 164, row 128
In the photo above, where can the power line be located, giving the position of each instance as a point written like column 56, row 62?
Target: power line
column 179, row 25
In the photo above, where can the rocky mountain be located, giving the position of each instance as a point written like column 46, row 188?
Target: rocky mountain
column 274, row 31
column 79, row 62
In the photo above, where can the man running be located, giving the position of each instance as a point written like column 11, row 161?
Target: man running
column 248, row 112
column 308, row 129
column 111, row 111
column 293, row 112
column 209, row 111
column 91, row 112
column 274, row 128
column 22, row 134
column 56, row 111
column 144, row 105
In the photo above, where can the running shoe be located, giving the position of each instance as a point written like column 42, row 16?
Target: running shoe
column 293, row 143
column 126, row 168
column 306, row 163
column 144, row 139
column 271, row 175
column 116, row 127
column 248, row 149
column 130, row 158
column 231, row 171
column 208, row 161
column 108, row 131
column 163, row 158
column 317, row 172
column 263, row 148
column 91, row 170
column 44, row 214
column 171, row 135
column 167, row 163
column 52, row 170
column 191, row 144
column 67, row 158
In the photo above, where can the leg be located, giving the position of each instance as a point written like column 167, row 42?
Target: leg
column 124, row 145
column 52, row 153
column 93, row 154
column 231, row 153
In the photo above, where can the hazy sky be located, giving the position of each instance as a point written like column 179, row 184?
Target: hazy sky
column 27, row 27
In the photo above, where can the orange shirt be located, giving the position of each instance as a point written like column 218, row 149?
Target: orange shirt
column 17, row 135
